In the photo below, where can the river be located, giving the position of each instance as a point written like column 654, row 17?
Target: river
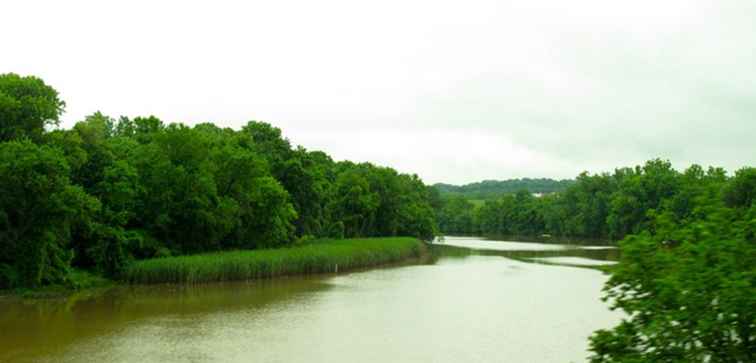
column 473, row 301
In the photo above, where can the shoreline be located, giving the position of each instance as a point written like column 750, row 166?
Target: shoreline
column 323, row 256
column 577, row 241
column 319, row 257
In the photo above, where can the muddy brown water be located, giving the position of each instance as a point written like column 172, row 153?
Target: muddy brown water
column 474, row 301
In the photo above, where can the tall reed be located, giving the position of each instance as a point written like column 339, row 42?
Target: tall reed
column 316, row 257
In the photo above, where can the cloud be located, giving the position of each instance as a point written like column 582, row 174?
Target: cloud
column 455, row 92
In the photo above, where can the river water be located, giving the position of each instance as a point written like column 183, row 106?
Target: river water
column 473, row 301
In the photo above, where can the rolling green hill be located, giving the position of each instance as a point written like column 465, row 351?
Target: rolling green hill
column 491, row 188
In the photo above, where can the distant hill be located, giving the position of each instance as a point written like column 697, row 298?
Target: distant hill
column 492, row 188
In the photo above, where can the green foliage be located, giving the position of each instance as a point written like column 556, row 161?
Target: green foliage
column 80, row 279
column 688, row 291
column 687, row 275
column 742, row 190
column 108, row 250
column 270, row 216
column 602, row 206
column 27, row 105
column 355, row 204
column 336, row 230
column 39, row 208
column 307, row 176
column 415, row 214
column 457, row 216
column 491, row 189
column 111, row 191
column 266, row 140
column 317, row 257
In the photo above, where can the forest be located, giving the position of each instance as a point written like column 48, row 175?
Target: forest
column 604, row 206
column 108, row 191
column 489, row 189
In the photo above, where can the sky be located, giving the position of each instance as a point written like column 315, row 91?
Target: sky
column 455, row 91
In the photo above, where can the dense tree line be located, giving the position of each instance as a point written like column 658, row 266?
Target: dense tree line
column 109, row 191
column 687, row 276
column 688, row 285
column 489, row 189
column 602, row 206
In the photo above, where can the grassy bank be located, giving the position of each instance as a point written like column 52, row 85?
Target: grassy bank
column 317, row 257
column 76, row 281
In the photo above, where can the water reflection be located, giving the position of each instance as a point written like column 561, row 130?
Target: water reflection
column 35, row 328
column 553, row 254
column 462, row 304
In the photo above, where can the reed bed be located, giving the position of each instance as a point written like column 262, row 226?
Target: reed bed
column 316, row 257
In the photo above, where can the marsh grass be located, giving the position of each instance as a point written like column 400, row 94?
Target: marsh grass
column 316, row 257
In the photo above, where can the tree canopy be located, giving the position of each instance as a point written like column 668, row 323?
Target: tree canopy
column 687, row 284
column 27, row 106
column 598, row 207
column 109, row 191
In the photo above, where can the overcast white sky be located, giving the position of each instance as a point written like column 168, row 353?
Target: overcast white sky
column 455, row 91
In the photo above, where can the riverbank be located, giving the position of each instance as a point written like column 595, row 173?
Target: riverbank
column 77, row 281
column 317, row 257
column 577, row 241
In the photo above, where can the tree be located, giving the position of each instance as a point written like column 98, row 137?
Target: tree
column 355, row 204
column 267, row 216
column 94, row 133
column 306, row 176
column 458, row 216
column 741, row 191
column 102, row 243
column 267, row 141
column 27, row 106
column 587, row 206
column 37, row 218
column 688, row 291
column 179, row 198
column 415, row 213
